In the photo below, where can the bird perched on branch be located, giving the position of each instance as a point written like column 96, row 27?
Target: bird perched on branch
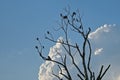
column 48, row 32
column 74, row 13
column 64, row 17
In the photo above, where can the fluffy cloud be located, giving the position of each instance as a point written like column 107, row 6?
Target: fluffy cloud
column 47, row 67
column 106, row 37
column 99, row 31
column 105, row 40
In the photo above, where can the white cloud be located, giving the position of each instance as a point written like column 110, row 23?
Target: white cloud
column 99, row 31
column 98, row 51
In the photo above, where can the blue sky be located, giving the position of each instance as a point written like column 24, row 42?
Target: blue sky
column 21, row 21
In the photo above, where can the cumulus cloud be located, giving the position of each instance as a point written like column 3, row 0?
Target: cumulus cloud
column 99, row 31
column 47, row 67
column 105, row 40
column 104, row 37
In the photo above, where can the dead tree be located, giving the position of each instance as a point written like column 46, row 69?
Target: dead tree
column 72, row 21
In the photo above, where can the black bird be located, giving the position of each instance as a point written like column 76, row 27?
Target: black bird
column 36, row 47
column 43, row 47
column 73, row 14
column 37, row 38
column 65, row 17
column 48, row 32
column 61, row 15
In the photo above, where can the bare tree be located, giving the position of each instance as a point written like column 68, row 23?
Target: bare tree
column 72, row 21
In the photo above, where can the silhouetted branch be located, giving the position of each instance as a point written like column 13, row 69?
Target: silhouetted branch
column 104, row 72
column 57, row 76
column 73, row 22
